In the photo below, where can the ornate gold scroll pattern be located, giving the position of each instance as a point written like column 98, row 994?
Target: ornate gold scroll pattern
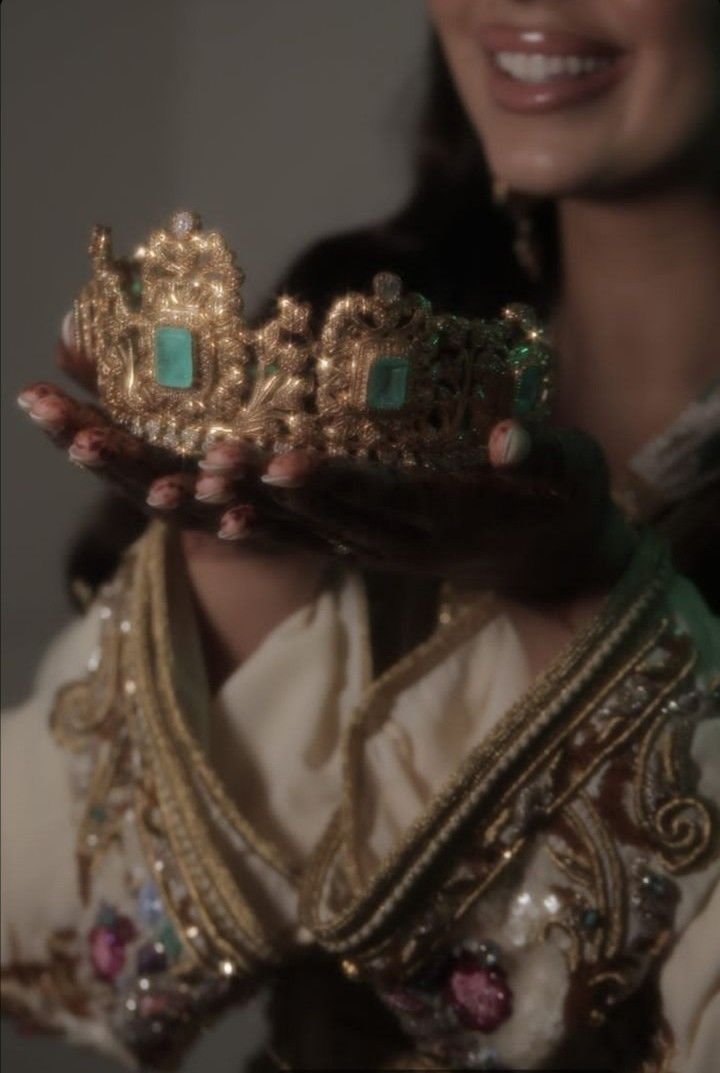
column 580, row 671
column 551, row 776
column 676, row 820
column 595, row 871
column 139, row 749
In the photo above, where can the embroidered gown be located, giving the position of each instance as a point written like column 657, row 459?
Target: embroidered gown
column 447, row 866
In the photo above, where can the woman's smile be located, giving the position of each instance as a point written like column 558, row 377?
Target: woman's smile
column 532, row 70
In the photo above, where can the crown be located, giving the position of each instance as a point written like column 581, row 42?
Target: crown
column 384, row 377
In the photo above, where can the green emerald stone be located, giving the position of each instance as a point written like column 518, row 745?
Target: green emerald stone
column 173, row 356
column 521, row 354
column 527, row 392
column 387, row 384
column 169, row 939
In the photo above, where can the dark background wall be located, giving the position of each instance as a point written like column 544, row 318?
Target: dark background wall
column 278, row 120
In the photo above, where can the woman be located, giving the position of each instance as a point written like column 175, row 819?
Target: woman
column 519, row 859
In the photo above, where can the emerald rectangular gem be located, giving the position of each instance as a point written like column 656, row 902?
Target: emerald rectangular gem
column 388, row 382
column 173, row 356
column 527, row 391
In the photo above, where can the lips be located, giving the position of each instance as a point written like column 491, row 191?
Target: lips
column 535, row 70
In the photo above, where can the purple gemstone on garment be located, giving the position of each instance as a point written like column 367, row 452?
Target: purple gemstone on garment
column 150, row 906
column 479, row 995
column 107, row 953
column 151, row 958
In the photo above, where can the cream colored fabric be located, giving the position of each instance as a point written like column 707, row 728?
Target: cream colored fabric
column 276, row 724
column 433, row 726
column 275, row 735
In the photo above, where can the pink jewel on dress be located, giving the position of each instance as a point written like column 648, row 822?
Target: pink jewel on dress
column 107, row 943
column 107, row 953
column 479, row 995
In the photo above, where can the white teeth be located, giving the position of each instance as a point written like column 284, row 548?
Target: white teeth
column 539, row 68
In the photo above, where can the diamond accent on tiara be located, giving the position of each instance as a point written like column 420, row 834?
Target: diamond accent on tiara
column 183, row 222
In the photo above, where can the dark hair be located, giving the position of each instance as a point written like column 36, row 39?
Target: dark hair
column 450, row 242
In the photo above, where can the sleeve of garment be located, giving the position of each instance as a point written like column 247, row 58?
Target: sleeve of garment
column 690, row 978
column 42, row 912
column 39, row 887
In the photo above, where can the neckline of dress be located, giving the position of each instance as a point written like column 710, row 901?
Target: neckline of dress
column 640, row 588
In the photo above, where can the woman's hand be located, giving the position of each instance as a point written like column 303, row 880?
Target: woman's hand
column 527, row 524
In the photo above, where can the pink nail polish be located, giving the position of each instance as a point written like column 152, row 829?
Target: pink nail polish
column 67, row 331
column 281, row 480
column 517, row 446
column 31, row 395
column 509, row 444
column 236, row 524
column 163, row 499
column 217, row 495
column 85, row 456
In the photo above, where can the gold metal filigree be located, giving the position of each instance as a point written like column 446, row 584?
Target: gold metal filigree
column 677, row 821
column 385, row 378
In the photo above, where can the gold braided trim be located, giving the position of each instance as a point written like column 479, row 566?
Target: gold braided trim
column 125, row 714
column 153, row 565
column 633, row 601
column 178, row 766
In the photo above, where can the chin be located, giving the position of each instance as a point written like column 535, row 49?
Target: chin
column 542, row 174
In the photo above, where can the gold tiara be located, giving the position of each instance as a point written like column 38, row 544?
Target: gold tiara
column 384, row 378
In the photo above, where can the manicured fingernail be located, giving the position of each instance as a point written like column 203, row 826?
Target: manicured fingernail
column 67, row 331
column 509, row 444
column 225, row 458
column 49, row 412
column 219, row 468
column 163, row 498
column 85, row 457
column 281, row 480
column 517, row 447
column 30, row 395
column 213, row 489
column 89, row 448
column 236, row 524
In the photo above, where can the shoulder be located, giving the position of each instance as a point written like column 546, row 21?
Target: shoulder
column 38, row 875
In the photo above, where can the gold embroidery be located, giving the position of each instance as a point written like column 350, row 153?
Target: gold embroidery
column 677, row 822
column 596, row 873
column 127, row 717
column 594, row 931
column 33, row 991
column 629, row 610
